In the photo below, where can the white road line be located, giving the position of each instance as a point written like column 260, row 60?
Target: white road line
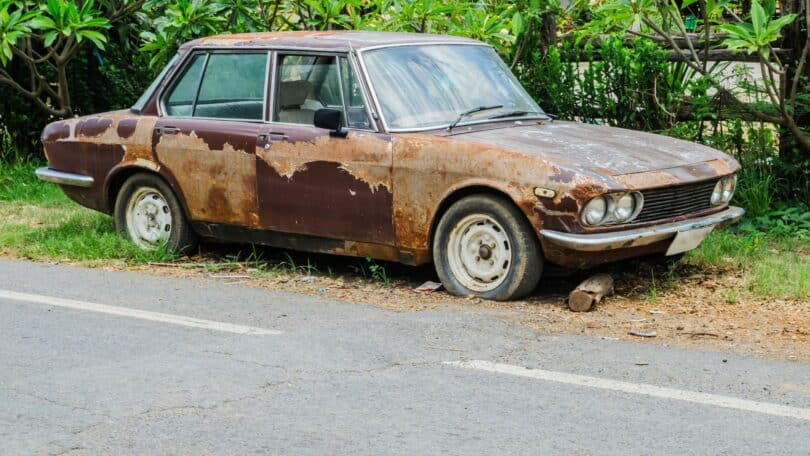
column 639, row 388
column 135, row 313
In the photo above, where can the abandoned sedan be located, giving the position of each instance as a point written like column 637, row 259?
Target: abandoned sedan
column 400, row 147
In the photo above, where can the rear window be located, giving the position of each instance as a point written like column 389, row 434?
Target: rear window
column 221, row 86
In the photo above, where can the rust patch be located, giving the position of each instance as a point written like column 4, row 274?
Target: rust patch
column 586, row 192
column 239, row 136
column 218, row 185
column 365, row 156
column 429, row 168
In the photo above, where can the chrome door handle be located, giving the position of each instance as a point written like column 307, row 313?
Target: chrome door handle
column 167, row 130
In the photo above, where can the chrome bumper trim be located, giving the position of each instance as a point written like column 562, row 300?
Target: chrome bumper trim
column 638, row 237
column 58, row 177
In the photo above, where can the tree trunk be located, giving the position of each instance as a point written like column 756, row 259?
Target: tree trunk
column 794, row 37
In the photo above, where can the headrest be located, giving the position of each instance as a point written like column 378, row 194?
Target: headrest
column 292, row 94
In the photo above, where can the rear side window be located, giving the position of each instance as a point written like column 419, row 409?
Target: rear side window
column 181, row 100
column 232, row 87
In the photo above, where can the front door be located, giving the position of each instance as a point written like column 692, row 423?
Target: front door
column 309, row 182
column 206, row 138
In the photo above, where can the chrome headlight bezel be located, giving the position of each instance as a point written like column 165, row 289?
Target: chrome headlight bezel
column 615, row 205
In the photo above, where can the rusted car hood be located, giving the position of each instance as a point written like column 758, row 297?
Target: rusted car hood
column 607, row 150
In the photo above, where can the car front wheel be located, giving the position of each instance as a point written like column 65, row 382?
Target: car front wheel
column 485, row 247
column 148, row 214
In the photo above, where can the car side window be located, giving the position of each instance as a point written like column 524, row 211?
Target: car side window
column 356, row 112
column 306, row 83
column 232, row 87
column 180, row 101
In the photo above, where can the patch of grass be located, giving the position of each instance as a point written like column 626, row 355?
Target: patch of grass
column 771, row 266
column 38, row 221
column 18, row 183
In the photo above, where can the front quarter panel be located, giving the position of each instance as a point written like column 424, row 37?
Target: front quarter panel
column 430, row 168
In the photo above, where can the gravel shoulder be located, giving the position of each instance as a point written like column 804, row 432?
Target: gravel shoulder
column 692, row 308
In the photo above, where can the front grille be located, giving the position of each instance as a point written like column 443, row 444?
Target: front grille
column 670, row 202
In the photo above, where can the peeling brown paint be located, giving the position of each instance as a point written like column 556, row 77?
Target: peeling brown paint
column 366, row 156
column 126, row 127
column 93, row 126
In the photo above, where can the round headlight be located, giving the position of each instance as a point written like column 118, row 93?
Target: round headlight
column 624, row 208
column 717, row 193
column 729, row 185
column 595, row 211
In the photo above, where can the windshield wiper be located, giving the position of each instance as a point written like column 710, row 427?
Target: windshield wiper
column 518, row 114
column 471, row 111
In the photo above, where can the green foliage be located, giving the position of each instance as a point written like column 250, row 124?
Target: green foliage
column 175, row 23
column 52, row 20
column 787, row 221
column 628, row 85
column 759, row 33
column 378, row 272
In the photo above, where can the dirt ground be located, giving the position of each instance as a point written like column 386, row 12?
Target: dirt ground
column 692, row 308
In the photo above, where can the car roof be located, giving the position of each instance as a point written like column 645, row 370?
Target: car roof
column 340, row 41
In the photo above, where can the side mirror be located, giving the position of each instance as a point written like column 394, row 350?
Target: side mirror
column 332, row 120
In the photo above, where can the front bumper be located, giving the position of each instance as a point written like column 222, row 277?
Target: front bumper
column 599, row 242
column 62, row 178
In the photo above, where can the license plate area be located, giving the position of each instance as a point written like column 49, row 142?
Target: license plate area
column 687, row 240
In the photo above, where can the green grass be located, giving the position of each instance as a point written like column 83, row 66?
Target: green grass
column 19, row 184
column 38, row 221
column 771, row 265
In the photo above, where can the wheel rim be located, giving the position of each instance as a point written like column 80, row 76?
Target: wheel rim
column 479, row 253
column 149, row 218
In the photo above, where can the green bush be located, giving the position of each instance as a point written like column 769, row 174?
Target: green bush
column 626, row 85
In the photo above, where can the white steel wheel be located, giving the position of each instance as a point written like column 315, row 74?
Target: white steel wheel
column 148, row 213
column 149, row 218
column 479, row 253
column 484, row 246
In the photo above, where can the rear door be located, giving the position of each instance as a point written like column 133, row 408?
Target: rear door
column 206, row 137
column 309, row 182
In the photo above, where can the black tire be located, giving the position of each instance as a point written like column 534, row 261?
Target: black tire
column 522, row 251
column 181, row 238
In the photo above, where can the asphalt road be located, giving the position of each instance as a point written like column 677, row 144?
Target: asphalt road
column 98, row 362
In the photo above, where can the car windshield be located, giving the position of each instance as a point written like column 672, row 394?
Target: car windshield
column 431, row 86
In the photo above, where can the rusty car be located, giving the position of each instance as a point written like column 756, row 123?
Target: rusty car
column 410, row 148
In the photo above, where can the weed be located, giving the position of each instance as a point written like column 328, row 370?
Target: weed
column 378, row 272
column 755, row 192
column 652, row 295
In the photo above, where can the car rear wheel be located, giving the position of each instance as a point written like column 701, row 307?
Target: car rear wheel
column 485, row 247
column 148, row 214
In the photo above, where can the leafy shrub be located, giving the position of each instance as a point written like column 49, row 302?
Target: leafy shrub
column 789, row 221
column 631, row 85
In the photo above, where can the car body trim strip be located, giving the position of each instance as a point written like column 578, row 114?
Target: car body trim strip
column 62, row 178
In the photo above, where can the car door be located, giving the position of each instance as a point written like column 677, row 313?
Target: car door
column 207, row 134
column 310, row 182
